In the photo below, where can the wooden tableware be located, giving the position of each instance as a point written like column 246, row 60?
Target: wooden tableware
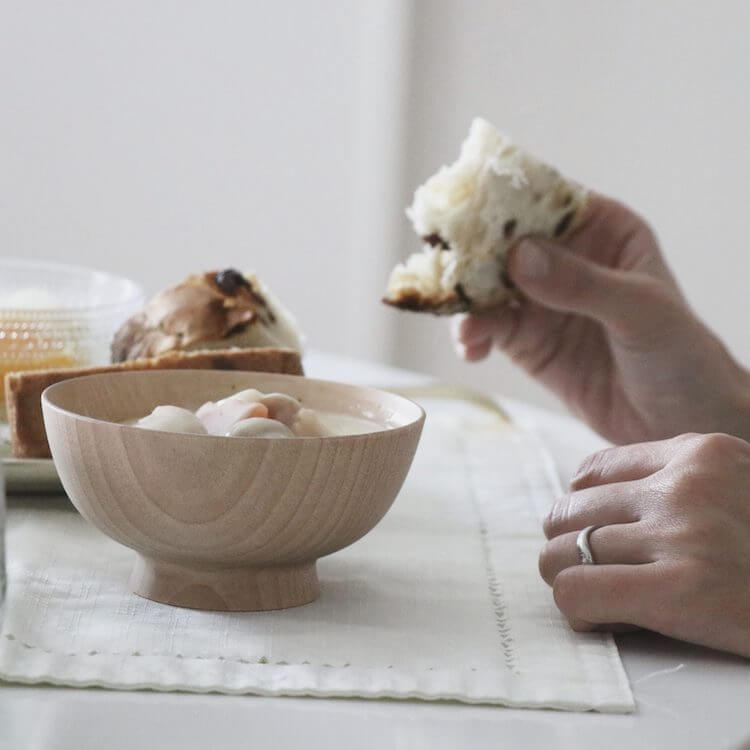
column 219, row 522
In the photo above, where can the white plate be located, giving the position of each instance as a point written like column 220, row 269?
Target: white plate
column 27, row 474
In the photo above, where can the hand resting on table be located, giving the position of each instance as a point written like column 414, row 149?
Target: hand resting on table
column 672, row 545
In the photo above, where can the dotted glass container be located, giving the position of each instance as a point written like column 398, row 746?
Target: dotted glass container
column 55, row 315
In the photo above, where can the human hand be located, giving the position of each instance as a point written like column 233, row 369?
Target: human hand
column 672, row 543
column 602, row 323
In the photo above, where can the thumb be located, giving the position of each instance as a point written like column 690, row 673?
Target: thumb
column 627, row 302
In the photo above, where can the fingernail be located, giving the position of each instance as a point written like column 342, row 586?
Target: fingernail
column 531, row 261
column 461, row 323
column 456, row 324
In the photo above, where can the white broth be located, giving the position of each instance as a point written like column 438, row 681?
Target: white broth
column 250, row 413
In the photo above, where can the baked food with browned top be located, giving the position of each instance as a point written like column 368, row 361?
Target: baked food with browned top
column 213, row 310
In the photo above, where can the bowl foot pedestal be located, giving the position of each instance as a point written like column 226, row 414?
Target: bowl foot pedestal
column 229, row 589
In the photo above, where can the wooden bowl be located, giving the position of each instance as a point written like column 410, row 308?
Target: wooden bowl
column 219, row 522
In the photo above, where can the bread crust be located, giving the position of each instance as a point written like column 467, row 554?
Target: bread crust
column 415, row 301
column 23, row 390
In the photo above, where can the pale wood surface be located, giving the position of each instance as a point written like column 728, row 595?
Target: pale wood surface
column 226, row 523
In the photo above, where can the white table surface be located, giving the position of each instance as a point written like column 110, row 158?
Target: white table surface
column 687, row 697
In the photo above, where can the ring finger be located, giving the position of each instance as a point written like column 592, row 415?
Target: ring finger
column 618, row 544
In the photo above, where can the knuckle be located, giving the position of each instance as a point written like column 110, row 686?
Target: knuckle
column 652, row 289
column 662, row 534
column 693, row 542
column 715, row 446
column 557, row 516
column 685, row 536
column 592, row 469
column 697, row 471
column 686, row 437
column 681, row 485
column 581, row 278
column 684, row 442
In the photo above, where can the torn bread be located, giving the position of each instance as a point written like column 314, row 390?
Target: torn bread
column 23, row 390
column 469, row 214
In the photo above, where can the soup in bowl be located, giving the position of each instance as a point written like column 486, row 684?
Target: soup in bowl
column 221, row 521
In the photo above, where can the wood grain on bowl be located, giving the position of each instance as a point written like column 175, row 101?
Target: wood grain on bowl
column 219, row 522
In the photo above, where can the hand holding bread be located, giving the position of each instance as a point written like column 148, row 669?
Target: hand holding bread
column 601, row 321
column 573, row 287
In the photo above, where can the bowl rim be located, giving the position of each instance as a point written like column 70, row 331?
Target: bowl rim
column 135, row 291
column 49, row 392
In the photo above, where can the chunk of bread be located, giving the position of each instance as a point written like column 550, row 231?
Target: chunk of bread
column 213, row 310
column 469, row 214
column 23, row 390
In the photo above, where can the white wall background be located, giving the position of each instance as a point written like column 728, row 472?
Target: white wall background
column 158, row 138
column 155, row 138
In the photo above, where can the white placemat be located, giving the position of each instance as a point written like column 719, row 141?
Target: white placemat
column 441, row 601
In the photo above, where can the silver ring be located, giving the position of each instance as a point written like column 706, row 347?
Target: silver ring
column 585, row 555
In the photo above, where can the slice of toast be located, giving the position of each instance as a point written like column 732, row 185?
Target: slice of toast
column 23, row 390
column 469, row 214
